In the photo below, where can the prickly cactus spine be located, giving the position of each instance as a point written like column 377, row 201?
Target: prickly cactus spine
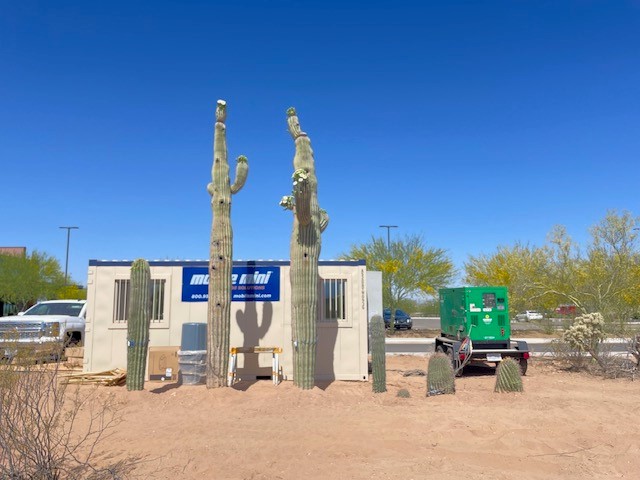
column 138, row 324
column 440, row 375
column 221, row 252
column 378, row 357
column 508, row 377
column 309, row 221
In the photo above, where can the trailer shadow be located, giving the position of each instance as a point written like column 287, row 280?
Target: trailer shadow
column 479, row 370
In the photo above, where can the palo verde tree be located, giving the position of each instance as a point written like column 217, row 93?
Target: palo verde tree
column 408, row 267
column 23, row 280
column 603, row 276
column 221, row 252
column 511, row 267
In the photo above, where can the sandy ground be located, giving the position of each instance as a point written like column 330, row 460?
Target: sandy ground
column 565, row 425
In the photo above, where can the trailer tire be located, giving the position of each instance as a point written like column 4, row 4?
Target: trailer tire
column 523, row 366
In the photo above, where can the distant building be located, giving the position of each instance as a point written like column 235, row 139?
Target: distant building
column 17, row 251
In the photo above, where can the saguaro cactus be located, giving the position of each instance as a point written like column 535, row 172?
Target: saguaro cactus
column 309, row 221
column 440, row 376
column 508, row 377
column 138, row 323
column 221, row 252
column 378, row 357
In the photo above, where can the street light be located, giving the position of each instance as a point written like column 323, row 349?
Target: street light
column 388, row 227
column 66, row 263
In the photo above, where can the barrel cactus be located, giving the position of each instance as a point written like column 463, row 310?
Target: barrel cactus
column 221, row 252
column 508, row 376
column 440, row 376
column 138, row 323
column 378, row 360
column 403, row 393
column 309, row 221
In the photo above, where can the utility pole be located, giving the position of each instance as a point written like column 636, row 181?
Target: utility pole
column 388, row 227
column 66, row 262
column 392, row 306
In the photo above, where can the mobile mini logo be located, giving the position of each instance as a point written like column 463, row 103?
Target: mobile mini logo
column 255, row 278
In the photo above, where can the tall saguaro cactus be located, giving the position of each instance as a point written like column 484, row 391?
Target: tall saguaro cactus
column 309, row 221
column 138, row 324
column 221, row 251
column 378, row 354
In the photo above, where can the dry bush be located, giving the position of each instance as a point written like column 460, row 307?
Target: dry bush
column 608, row 363
column 40, row 435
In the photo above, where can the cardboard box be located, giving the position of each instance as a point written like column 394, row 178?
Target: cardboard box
column 163, row 363
column 75, row 356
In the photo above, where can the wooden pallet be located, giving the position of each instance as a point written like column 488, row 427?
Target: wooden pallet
column 111, row 378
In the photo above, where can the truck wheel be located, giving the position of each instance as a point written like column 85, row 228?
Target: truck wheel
column 523, row 366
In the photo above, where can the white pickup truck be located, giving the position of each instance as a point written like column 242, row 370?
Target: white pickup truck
column 45, row 326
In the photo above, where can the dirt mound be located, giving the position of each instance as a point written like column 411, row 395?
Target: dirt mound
column 564, row 425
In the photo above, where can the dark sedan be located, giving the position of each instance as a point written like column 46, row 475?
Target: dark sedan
column 402, row 320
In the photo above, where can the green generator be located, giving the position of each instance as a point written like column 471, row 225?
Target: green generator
column 480, row 313
column 475, row 327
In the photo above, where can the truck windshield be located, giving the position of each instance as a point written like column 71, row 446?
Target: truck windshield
column 69, row 309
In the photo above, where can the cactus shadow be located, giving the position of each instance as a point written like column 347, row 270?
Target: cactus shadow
column 244, row 385
column 325, row 352
column 167, row 387
column 479, row 370
column 253, row 330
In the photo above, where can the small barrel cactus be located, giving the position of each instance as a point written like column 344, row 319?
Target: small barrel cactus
column 508, row 377
column 378, row 354
column 440, row 376
column 138, row 324
column 403, row 393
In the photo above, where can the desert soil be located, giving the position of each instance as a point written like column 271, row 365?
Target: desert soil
column 565, row 425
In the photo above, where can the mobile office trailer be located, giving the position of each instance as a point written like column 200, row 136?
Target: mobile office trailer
column 260, row 313
column 475, row 327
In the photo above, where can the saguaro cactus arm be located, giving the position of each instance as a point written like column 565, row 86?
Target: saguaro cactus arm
column 242, row 171
column 324, row 220
column 302, row 196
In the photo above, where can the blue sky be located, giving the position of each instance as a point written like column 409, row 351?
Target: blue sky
column 472, row 123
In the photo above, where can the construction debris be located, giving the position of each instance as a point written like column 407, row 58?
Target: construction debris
column 110, row 378
column 414, row 373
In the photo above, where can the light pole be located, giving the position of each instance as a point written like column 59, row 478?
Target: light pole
column 66, row 262
column 388, row 227
column 392, row 313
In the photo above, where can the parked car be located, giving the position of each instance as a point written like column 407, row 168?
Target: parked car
column 529, row 315
column 567, row 309
column 402, row 320
column 48, row 326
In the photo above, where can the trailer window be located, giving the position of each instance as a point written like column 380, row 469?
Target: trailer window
column 489, row 300
column 122, row 296
column 334, row 296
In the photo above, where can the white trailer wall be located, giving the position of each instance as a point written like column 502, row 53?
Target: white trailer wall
column 263, row 318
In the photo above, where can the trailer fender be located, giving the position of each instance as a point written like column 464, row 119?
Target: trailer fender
column 522, row 346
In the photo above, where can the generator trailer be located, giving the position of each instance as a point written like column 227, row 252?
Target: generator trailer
column 475, row 328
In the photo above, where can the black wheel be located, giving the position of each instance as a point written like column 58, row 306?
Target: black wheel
column 523, row 366
column 440, row 349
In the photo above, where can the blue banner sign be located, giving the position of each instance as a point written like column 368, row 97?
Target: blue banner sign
column 248, row 284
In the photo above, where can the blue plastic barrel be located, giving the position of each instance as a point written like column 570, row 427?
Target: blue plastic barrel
column 194, row 336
